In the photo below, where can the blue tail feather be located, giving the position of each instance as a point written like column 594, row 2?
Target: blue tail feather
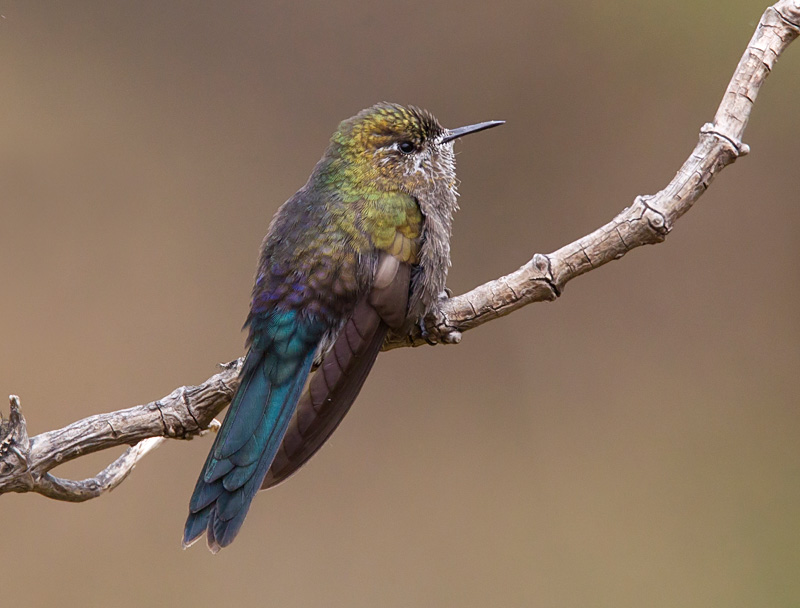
column 256, row 390
column 205, row 495
column 197, row 523
column 252, row 431
column 217, row 469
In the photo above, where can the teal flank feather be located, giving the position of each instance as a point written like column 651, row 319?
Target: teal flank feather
column 279, row 360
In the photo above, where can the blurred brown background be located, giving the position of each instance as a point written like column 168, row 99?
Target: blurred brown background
column 633, row 444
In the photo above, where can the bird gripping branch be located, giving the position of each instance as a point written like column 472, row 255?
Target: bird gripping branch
column 363, row 247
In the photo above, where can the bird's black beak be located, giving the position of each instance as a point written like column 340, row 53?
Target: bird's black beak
column 452, row 134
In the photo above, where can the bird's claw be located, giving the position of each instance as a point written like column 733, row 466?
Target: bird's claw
column 439, row 331
column 423, row 330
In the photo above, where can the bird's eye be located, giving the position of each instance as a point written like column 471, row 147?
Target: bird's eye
column 406, row 147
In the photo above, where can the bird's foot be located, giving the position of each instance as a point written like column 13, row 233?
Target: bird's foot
column 423, row 331
column 433, row 326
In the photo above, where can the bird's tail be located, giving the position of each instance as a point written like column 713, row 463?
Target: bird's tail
column 272, row 379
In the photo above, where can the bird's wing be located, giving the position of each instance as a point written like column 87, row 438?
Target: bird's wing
column 336, row 383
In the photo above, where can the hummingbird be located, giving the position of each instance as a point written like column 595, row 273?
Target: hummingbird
column 363, row 248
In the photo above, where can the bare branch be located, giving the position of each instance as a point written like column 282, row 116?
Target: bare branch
column 650, row 218
column 25, row 462
column 105, row 481
column 186, row 412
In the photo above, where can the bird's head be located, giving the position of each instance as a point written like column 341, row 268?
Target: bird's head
column 390, row 148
